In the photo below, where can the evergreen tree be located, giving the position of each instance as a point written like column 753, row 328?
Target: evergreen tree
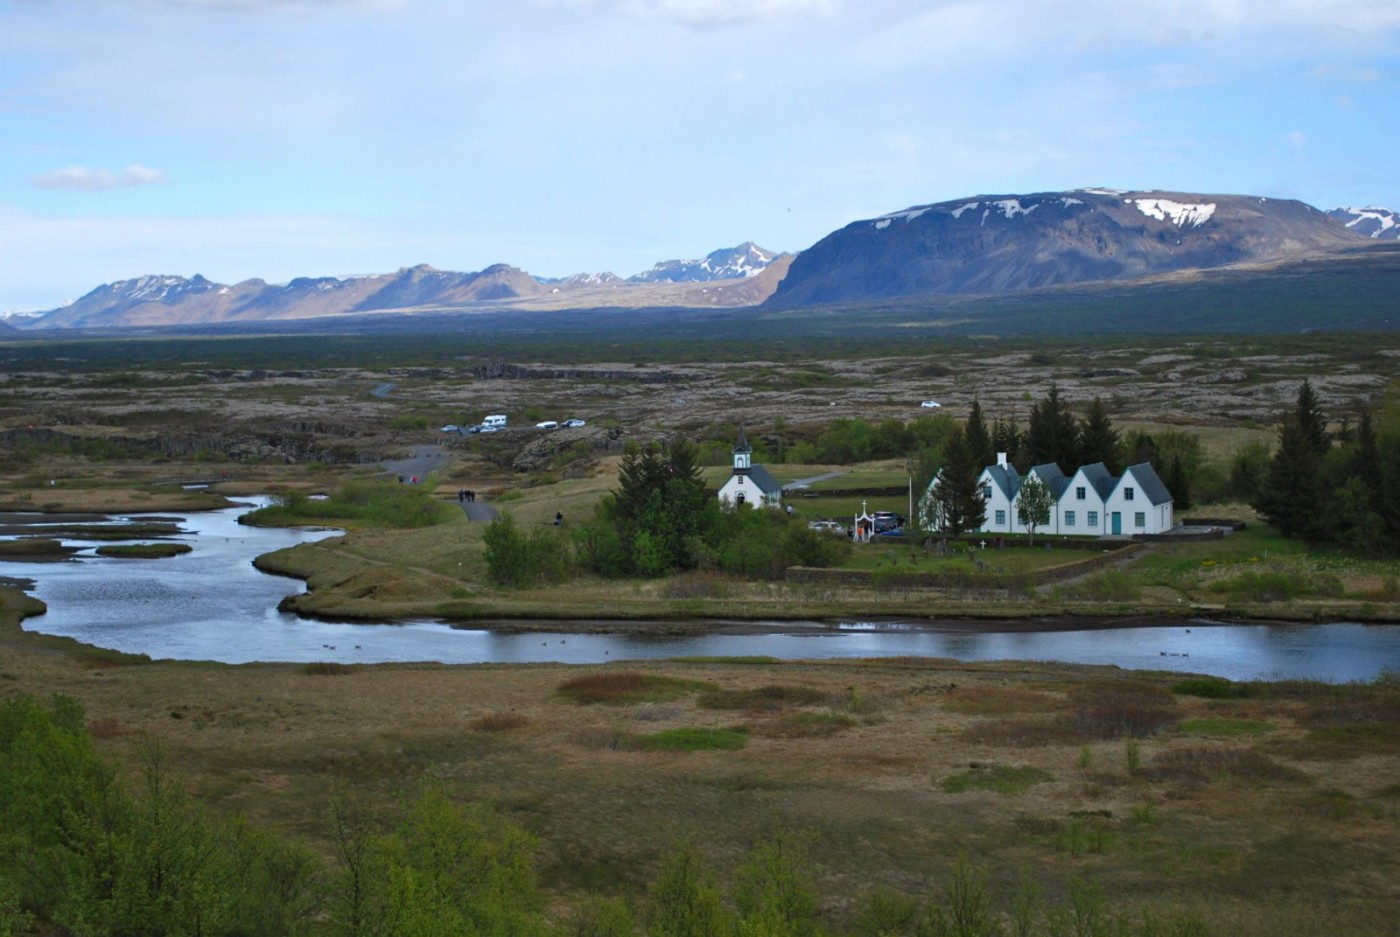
column 1311, row 421
column 958, row 500
column 1290, row 496
column 1053, row 435
column 1006, row 437
column 979, row 439
column 1098, row 440
column 1177, row 482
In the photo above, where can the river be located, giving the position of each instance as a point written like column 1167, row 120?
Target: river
column 211, row 604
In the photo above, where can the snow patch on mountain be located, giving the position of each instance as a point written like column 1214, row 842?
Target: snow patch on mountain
column 1178, row 213
column 746, row 260
column 1372, row 221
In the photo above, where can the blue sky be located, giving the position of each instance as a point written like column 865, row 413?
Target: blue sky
column 282, row 138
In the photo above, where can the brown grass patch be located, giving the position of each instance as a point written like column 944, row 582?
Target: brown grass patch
column 624, row 687
column 1022, row 733
column 770, row 697
column 499, row 722
column 1201, row 763
column 327, row 669
column 999, row 701
column 808, row 725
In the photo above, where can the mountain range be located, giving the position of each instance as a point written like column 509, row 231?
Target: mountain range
column 982, row 245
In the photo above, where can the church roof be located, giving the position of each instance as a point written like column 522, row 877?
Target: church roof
column 766, row 483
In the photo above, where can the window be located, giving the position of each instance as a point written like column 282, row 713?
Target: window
column 1093, row 518
column 1140, row 519
column 1069, row 518
column 1001, row 517
column 987, row 492
column 1079, row 493
column 741, row 479
column 1127, row 494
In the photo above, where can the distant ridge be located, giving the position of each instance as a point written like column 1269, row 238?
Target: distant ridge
column 1379, row 223
column 996, row 243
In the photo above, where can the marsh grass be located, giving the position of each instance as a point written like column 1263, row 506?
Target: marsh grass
column 1001, row 779
column 626, row 688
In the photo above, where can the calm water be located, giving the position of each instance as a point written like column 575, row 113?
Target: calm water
column 212, row 604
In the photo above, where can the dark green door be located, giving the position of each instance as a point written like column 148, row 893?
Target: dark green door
column 1117, row 523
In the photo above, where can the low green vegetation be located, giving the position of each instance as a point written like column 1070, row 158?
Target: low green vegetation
column 144, row 551
column 694, row 739
column 373, row 504
column 1001, row 779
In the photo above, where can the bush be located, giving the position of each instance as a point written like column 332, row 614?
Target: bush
column 1207, row 688
column 515, row 558
column 772, row 696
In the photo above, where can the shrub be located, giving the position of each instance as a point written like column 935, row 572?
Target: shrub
column 1221, row 726
column 1111, row 710
column 515, row 558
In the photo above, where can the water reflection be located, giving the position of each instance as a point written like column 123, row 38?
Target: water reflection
column 211, row 604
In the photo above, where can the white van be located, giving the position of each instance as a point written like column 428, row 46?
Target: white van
column 496, row 420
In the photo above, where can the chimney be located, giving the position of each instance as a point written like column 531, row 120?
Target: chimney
column 1001, row 458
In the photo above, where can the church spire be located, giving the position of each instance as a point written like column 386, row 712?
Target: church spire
column 742, row 451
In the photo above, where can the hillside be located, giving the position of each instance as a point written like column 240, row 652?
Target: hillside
column 992, row 244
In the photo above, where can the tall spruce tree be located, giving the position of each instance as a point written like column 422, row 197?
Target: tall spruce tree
column 979, row 439
column 1053, row 435
column 1098, row 440
column 958, row 500
column 1006, row 437
column 1289, row 497
column 1311, row 421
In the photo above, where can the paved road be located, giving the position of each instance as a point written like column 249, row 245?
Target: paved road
column 383, row 390
column 480, row 511
column 804, row 482
column 424, row 461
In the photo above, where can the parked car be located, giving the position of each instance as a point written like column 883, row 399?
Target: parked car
column 450, row 428
column 573, row 423
column 830, row 527
column 547, row 424
column 892, row 532
column 487, row 428
column 931, row 404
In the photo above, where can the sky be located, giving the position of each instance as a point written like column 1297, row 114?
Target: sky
column 284, row 138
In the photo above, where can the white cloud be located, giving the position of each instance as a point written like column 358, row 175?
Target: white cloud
column 83, row 179
column 708, row 12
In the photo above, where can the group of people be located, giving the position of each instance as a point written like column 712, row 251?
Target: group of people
column 465, row 494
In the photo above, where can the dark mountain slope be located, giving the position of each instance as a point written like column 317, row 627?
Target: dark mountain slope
column 990, row 244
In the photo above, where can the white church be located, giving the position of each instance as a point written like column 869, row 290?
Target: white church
column 749, row 484
column 1092, row 502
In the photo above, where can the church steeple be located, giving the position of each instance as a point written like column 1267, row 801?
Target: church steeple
column 742, row 452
